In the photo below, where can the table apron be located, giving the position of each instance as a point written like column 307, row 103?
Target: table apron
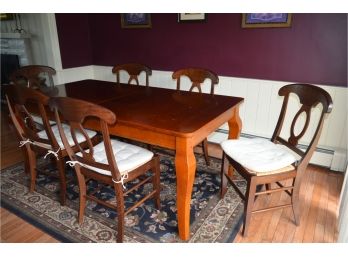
column 144, row 135
column 168, row 141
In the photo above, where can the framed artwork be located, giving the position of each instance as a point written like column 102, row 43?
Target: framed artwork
column 266, row 20
column 135, row 20
column 192, row 17
column 6, row 16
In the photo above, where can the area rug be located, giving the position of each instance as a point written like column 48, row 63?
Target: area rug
column 212, row 219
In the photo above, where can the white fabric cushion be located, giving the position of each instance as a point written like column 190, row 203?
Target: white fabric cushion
column 128, row 157
column 38, row 119
column 259, row 155
column 80, row 138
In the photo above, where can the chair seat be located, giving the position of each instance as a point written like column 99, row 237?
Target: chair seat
column 260, row 156
column 80, row 138
column 37, row 119
column 128, row 157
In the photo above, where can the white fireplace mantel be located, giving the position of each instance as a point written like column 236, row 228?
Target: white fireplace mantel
column 18, row 44
column 15, row 35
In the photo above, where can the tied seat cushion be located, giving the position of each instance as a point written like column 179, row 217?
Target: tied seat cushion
column 128, row 157
column 80, row 138
column 260, row 156
column 38, row 119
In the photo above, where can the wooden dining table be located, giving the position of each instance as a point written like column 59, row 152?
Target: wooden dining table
column 177, row 120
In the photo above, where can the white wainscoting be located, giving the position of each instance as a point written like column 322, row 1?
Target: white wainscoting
column 259, row 112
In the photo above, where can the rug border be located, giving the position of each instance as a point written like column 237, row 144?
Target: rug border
column 37, row 224
column 235, row 231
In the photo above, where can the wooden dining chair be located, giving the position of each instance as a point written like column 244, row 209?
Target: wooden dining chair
column 111, row 162
column 34, row 76
column 133, row 70
column 270, row 162
column 197, row 77
column 35, row 142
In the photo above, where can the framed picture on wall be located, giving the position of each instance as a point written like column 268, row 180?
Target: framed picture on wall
column 192, row 17
column 266, row 20
column 135, row 20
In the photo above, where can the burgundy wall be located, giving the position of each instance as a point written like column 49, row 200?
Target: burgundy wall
column 313, row 50
column 74, row 40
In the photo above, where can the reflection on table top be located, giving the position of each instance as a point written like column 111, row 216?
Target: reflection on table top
column 165, row 109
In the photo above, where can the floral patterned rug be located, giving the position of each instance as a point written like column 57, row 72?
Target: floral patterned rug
column 212, row 219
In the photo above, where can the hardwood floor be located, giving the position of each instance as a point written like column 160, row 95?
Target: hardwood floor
column 16, row 230
column 319, row 199
column 319, row 196
column 13, row 228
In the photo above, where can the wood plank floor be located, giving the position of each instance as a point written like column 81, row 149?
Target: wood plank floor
column 319, row 196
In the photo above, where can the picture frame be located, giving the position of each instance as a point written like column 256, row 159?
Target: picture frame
column 192, row 17
column 266, row 20
column 135, row 20
column 6, row 16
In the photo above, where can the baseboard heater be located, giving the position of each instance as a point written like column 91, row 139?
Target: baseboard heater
column 336, row 160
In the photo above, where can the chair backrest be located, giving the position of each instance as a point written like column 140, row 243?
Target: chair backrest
column 21, row 98
column 34, row 76
column 75, row 112
column 197, row 77
column 133, row 70
column 310, row 96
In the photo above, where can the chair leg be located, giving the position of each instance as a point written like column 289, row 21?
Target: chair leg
column 156, row 183
column 249, row 204
column 62, row 179
column 224, row 170
column 295, row 202
column 149, row 147
column 26, row 161
column 32, row 167
column 82, row 195
column 120, row 213
column 268, row 186
column 205, row 151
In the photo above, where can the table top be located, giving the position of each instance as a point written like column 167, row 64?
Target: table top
column 166, row 110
